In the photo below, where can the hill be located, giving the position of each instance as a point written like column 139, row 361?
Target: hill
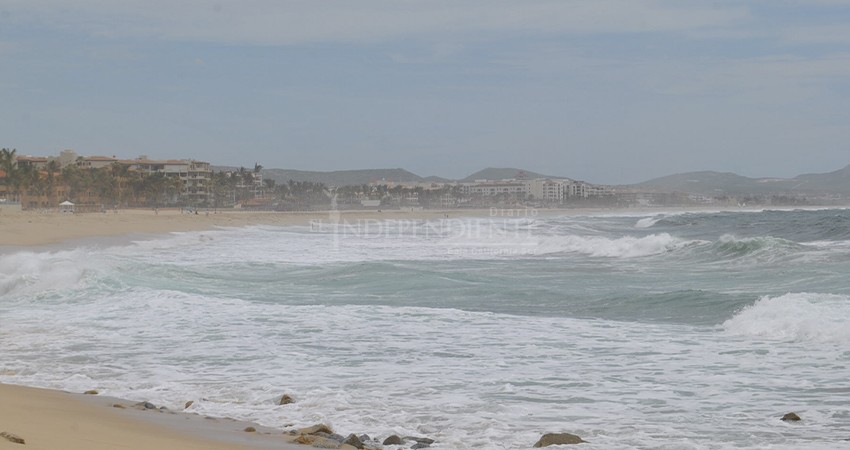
column 496, row 173
column 714, row 183
column 338, row 177
column 365, row 176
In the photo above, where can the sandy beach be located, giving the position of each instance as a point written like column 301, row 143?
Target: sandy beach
column 33, row 228
column 52, row 420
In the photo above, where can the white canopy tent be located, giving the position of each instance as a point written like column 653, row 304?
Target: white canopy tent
column 66, row 206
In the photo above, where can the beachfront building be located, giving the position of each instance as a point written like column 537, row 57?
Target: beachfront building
column 95, row 162
column 492, row 188
column 36, row 162
column 194, row 176
column 549, row 190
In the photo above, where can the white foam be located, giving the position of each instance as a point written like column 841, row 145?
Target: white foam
column 624, row 247
column 801, row 317
column 647, row 222
column 28, row 271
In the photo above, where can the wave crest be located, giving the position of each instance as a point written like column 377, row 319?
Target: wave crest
column 32, row 272
column 801, row 317
column 624, row 247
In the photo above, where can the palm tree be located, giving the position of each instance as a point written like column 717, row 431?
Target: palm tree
column 8, row 163
column 52, row 167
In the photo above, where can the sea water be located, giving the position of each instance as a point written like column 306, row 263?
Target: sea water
column 667, row 331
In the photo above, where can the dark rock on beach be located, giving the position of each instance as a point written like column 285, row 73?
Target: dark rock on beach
column 558, row 439
column 318, row 428
column 332, row 436
column 286, row 399
column 188, row 404
column 354, row 441
column 393, row 440
column 791, row 417
column 145, row 405
column 250, row 429
column 91, row 392
column 419, row 445
column 13, row 438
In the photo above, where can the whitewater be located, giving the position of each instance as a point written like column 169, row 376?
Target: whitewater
column 645, row 331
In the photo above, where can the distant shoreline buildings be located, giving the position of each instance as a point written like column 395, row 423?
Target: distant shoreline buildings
column 107, row 182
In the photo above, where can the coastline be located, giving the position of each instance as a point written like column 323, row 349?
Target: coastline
column 57, row 419
column 24, row 229
column 49, row 419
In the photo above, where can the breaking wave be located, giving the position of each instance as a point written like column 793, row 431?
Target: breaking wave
column 800, row 317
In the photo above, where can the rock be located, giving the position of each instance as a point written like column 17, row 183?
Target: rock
column 321, row 442
column 286, row 399
column 354, row 441
column 91, row 392
column 250, row 429
column 145, row 405
column 305, row 439
column 420, row 440
column 118, row 405
column 558, row 439
column 188, row 404
column 791, row 417
column 393, row 440
column 364, row 438
column 419, row 445
column 316, row 441
column 318, row 428
column 13, row 438
column 333, row 436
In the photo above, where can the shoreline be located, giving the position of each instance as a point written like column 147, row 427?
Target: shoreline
column 50, row 419
column 21, row 230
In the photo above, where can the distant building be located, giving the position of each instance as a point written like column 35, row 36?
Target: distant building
column 493, row 188
column 94, row 162
column 195, row 175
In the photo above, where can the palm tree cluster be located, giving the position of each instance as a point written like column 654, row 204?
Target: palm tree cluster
column 113, row 185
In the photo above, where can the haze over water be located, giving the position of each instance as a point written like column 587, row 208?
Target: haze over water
column 689, row 330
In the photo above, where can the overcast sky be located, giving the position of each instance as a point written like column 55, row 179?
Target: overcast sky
column 606, row 91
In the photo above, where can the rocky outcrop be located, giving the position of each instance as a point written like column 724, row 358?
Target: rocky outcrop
column 285, row 400
column 558, row 439
column 791, row 417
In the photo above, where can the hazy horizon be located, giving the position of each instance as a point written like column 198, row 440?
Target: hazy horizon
column 606, row 91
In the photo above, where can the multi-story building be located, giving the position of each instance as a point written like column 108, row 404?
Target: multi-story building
column 493, row 188
column 195, row 176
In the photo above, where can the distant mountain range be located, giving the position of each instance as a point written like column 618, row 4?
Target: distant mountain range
column 719, row 183
column 366, row 176
column 705, row 183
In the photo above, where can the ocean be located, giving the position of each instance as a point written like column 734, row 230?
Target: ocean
column 689, row 330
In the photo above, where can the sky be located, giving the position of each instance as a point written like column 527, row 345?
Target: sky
column 607, row 91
